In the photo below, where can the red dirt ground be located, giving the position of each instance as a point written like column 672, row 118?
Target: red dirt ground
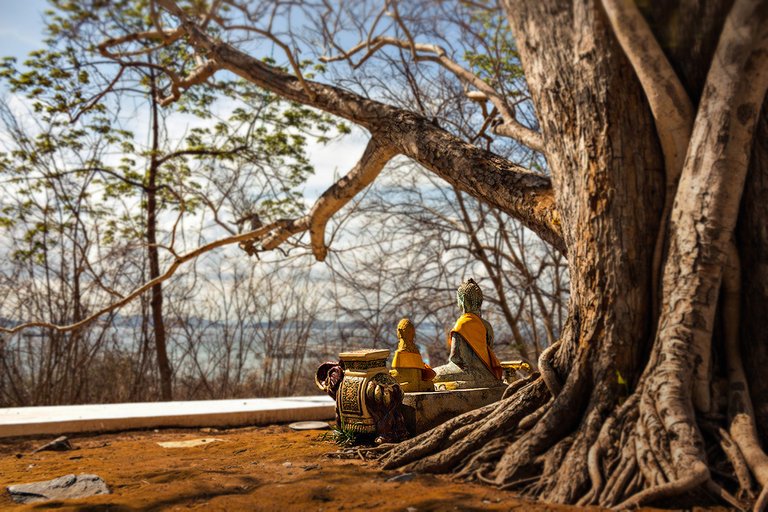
column 263, row 469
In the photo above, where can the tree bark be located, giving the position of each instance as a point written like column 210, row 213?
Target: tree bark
column 752, row 240
column 626, row 448
column 607, row 173
column 156, row 298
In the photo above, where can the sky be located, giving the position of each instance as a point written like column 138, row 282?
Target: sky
column 20, row 26
column 21, row 31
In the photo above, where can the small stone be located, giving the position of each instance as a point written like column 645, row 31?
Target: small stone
column 411, row 509
column 208, row 430
column 60, row 444
column 287, row 464
column 189, row 443
column 64, row 487
column 401, row 478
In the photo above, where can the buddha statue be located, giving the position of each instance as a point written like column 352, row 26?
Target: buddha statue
column 408, row 368
column 471, row 363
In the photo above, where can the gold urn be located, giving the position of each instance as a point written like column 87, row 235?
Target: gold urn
column 366, row 384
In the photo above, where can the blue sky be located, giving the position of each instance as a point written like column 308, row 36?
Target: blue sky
column 20, row 26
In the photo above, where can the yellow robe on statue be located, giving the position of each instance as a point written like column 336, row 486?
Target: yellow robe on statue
column 405, row 359
column 472, row 329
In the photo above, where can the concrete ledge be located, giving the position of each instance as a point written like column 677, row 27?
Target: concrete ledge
column 65, row 419
column 426, row 410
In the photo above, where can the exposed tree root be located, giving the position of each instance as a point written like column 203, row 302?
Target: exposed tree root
column 560, row 417
column 548, row 373
column 605, row 441
column 743, row 429
column 735, row 458
column 762, row 501
column 724, row 495
column 569, row 478
column 519, row 384
column 468, row 425
column 697, row 475
column 501, row 423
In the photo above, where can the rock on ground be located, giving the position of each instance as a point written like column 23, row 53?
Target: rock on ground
column 64, row 487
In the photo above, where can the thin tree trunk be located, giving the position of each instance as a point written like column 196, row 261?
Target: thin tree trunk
column 156, row 300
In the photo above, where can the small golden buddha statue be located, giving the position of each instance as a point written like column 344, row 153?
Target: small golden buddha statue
column 408, row 368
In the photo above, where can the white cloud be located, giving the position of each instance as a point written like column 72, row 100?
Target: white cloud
column 333, row 160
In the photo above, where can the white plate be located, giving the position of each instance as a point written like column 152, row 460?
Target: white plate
column 309, row 425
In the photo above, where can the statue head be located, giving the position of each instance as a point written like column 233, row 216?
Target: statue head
column 469, row 297
column 405, row 334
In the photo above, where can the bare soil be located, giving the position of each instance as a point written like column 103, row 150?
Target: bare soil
column 264, row 469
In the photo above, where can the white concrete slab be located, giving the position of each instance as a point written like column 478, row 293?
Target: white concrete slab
column 29, row 421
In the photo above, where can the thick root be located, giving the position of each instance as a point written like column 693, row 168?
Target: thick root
column 557, row 421
column 498, row 425
column 437, row 438
column 762, row 501
column 447, row 444
column 742, row 429
column 698, row 475
column 548, row 372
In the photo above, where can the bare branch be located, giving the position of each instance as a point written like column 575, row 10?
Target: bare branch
column 396, row 16
column 164, row 37
column 201, row 152
column 197, row 76
column 211, row 14
column 510, row 127
column 284, row 47
column 174, row 266
column 362, row 174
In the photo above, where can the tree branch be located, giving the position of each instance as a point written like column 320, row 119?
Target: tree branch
column 525, row 195
column 201, row 73
column 177, row 262
column 509, row 128
column 362, row 174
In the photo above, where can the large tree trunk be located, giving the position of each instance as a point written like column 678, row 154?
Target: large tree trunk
column 753, row 245
column 607, row 174
column 600, row 440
